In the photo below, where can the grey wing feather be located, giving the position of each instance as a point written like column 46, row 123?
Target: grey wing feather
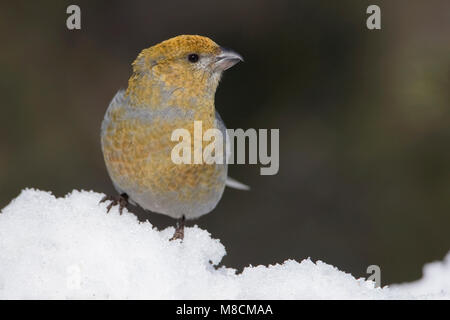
column 230, row 182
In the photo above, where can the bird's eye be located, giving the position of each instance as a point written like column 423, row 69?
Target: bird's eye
column 193, row 57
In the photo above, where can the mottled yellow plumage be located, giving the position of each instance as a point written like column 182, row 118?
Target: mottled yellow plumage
column 173, row 83
column 170, row 67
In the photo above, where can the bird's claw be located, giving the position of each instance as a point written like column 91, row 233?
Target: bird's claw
column 179, row 231
column 121, row 201
column 179, row 234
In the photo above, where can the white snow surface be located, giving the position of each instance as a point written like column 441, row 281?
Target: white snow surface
column 70, row 248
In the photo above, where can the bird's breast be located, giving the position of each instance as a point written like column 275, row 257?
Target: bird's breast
column 137, row 148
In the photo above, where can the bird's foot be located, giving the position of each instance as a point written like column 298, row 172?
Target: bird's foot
column 121, row 201
column 179, row 231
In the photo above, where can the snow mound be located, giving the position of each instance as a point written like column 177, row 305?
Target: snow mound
column 435, row 283
column 70, row 248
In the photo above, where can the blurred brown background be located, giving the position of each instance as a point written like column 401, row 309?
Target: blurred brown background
column 364, row 119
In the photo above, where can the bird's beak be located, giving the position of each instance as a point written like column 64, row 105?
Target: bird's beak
column 226, row 59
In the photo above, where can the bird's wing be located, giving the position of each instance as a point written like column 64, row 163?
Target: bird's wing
column 230, row 182
column 236, row 184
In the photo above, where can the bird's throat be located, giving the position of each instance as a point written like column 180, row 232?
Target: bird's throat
column 150, row 93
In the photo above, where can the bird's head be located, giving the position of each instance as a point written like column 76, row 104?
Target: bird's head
column 190, row 65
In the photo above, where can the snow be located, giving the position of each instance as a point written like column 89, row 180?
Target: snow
column 70, row 248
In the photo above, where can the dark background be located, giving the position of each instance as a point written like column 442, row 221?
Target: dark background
column 364, row 119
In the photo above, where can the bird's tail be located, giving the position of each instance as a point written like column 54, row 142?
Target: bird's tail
column 236, row 184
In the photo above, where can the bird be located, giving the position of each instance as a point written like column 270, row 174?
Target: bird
column 173, row 84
